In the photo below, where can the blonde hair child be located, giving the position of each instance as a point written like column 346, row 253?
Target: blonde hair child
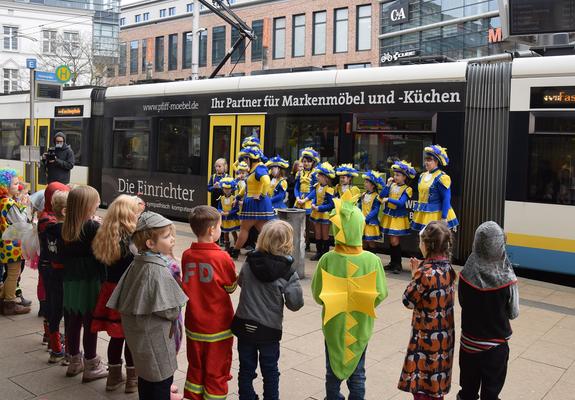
column 111, row 246
column 268, row 271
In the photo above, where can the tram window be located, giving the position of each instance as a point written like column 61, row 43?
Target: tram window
column 380, row 151
column 11, row 137
column 296, row 133
column 72, row 128
column 553, row 123
column 131, row 143
column 250, row 130
column 552, row 169
column 179, row 145
column 221, row 146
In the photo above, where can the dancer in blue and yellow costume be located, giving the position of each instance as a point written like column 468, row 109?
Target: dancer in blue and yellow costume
column 305, row 180
column 395, row 217
column 369, row 205
column 345, row 173
column 434, row 189
column 279, row 184
column 228, row 207
column 257, row 207
column 322, row 204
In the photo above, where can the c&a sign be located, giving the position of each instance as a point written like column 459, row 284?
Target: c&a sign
column 398, row 12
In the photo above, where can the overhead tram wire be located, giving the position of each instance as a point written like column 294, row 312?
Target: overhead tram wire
column 238, row 60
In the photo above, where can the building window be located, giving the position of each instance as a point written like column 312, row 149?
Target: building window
column 298, row 38
column 138, row 18
column 203, row 49
column 279, row 37
column 173, row 52
column 159, row 54
column 10, row 80
column 218, row 44
column 363, row 34
column 144, row 55
column 122, row 62
column 239, row 54
column 134, row 57
column 71, row 42
column 318, row 37
column 257, row 44
column 329, row 67
column 190, row 7
column 172, row 11
column 146, row 16
column 357, row 65
column 340, row 30
column 187, row 38
column 122, row 21
column 10, row 38
column 162, row 13
column 49, row 41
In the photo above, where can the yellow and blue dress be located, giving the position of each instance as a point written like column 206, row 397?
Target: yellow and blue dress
column 395, row 217
column 304, row 182
column 230, row 222
column 322, row 197
column 434, row 202
column 278, row 192
column 257, row 202
column 369, row 204
column 341, row 189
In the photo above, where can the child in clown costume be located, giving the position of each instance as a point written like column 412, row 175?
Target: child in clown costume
column 322, row 204
column 434, row 189
column 349, row 283
column 345, row 173
column 395, row 219
column 305, row 181
column 370, row 205
column 278, row 184
column 229, row 211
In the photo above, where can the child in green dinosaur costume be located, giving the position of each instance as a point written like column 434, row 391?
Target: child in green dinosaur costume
column 349, row 283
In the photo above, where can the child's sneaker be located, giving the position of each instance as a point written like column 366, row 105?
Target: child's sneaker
column 56, row 357
column 66, row 360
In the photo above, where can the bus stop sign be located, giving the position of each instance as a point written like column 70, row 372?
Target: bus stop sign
column 63, row 73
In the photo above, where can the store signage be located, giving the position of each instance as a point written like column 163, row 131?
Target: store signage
column 69, row 111
column 553, row 97
column 495, row 35
column 389, row 57
column 399, row 12
column 531, row 17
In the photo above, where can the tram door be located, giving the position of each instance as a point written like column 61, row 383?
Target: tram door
column 42, row 139
column 226, row 135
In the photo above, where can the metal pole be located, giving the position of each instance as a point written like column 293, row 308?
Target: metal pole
column 196, row 40
column 31, row 131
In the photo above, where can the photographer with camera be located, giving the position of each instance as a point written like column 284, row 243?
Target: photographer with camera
column 59, row 160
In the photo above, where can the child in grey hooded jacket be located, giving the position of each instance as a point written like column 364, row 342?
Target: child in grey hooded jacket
column 268, row 281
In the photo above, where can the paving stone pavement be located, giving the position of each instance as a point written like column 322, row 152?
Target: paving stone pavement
column 542, row 360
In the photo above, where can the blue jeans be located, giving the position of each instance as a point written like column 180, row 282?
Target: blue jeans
column 355, row 383
column 269, row 354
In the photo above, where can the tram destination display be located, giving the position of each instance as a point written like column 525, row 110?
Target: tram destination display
column 531, row 17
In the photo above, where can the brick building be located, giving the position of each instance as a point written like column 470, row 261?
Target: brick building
column 300, row 34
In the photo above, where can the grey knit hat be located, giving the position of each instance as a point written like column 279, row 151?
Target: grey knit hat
column 151, row 220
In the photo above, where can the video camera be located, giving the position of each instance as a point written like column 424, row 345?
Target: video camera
column 51, row 154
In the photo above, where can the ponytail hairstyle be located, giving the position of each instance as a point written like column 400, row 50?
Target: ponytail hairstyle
column 118, row 224
column 437, row 239
column 79, row 206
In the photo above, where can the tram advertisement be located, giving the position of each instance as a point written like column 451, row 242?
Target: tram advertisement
column 172, row 195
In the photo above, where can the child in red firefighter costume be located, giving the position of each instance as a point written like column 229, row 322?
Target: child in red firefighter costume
column 209, row 276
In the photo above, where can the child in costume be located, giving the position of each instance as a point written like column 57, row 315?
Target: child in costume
column 426, row 371
column 305, row 181
column 345, row 173
column 268, row 280
column 322, row 203
column 221, row 168
column 278, row 184
column 209, row 277
column 229, row 211
column 370, row 205
column 149, row 301
column 11, row 212
column 111, row 247
column 297, row 166
column 395, row 217
column 434, row 190
column 349, row 283
column 51, row 269
column 257, row 206
column 489, row 298
column 242, row 170
column 82, row 276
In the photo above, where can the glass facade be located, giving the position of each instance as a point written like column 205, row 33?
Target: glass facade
column 458, row 41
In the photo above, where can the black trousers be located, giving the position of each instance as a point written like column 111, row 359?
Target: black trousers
column 485, row 371
column 154, row 390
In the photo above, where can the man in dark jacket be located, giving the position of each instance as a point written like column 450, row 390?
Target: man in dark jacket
column 59, row 162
